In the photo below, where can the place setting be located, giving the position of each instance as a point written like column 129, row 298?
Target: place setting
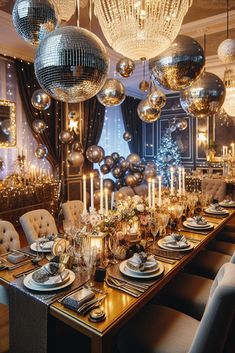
column 175, row 242
column 227, row 203
column 198, row 223
column 216, row 210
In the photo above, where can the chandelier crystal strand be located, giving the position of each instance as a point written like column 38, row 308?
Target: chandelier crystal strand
column 66, row 8
column 229, row 103
column 141, row 28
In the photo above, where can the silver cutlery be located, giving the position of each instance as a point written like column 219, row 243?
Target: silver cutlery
column 25, row 272
column 84, row 308
column 134, row 285
column 25, row 253
column 111, row 284
column 164, row 259
column 127, row 285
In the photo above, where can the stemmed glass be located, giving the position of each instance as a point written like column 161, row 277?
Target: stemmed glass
column 163, row 219
column 89, row 254
column 154, row 228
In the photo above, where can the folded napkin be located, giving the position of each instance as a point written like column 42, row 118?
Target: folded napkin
column 175, row 239
column 216, row 207
column 46, row 245
column 49, row 270
column 198, row 220
column 141, row 261
column 228, row 202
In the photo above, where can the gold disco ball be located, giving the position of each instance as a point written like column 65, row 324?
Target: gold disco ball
column 147, row 113
column 179, row 65
column 226, row 51
column 33, row 19
column 112, row 93
column 125, row 67
column 71, row 64
column 205, row 97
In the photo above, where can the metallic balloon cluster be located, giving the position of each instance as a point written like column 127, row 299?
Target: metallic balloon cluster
column 75, row 156
column 149, row 109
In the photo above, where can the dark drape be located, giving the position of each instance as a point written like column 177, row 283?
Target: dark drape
column 93, row 124
column 132, row 123
column 52, row 116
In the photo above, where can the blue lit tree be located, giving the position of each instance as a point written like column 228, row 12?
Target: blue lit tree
column 168, row 156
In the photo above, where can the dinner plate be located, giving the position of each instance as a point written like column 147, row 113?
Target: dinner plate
column 40, row 249
column 210, row 211
column 226, row 204
column 197, row 226
column 145, row 272
column 192, row 223
column 28, row 282
column 53, row 281
column 187, row 225
column 125, row 270
column 163, row 246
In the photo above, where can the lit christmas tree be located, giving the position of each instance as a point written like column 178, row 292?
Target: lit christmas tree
column 168, row 156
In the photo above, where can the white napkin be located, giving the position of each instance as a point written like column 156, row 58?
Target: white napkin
column 197, row 220
column 177, row 240
column 216, row 207
column 228, row 202
column 140, row 261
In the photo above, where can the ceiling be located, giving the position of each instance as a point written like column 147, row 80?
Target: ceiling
column 204, row 16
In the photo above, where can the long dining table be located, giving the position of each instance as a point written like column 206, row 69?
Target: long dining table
column 118, row 306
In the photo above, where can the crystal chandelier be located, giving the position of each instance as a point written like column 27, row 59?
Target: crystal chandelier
column 229, row 103
column 66, row 8
column 140, row 28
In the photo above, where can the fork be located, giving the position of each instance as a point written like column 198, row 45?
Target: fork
column 127, row 285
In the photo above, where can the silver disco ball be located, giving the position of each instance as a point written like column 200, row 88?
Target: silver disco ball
column 147, row 113
column 33, row 19
column 71, row 64
column 205, row 97
column 179, row 65
column 40, row 100
column 112, row 93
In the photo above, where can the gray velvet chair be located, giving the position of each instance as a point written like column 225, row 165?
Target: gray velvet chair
column 160, row 329
column 37, row 223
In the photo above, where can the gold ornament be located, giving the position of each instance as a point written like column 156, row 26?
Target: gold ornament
column 157, row 99
column 179, row 65
column 146, row 113
column 144, row 86
column 125, row 67
column 205, row 97
column 112, row 93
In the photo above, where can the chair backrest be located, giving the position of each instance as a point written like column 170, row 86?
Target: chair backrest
column 72, row 210
column 9, row 238
column 215, row 187
column 37, row 223
column 215, row 323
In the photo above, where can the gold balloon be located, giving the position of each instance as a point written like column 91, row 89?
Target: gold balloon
column 146, row 113
column 39, row 126
column 66, row 136
column 205, row 97
column 226, row 51
column 179, row 65
column 130, row 180
column 112, row 93
column 157, row 99
column 95, row 154
column 40, row 100
column 127, row 136
column 133, row 158
column 77, row 146
column 125, row 67
column 144, row 86
column 75, row 159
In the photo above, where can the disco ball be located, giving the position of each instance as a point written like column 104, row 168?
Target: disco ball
column 226, row 51
column 179, row 65
column 71, row 64
column 125, row 67
column 40, row 100
column 205, row 97
column 182, row 124
column 146, row 113
column 112, row 93
column 41, row 151
column 33, row 19
column 157, row 99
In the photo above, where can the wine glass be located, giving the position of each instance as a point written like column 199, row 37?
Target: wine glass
column 154, row 228
column 89, row 254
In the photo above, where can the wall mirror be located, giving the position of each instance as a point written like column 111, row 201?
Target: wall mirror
column 7, row 124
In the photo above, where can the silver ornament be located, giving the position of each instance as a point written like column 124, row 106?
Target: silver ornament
column 182, row 124
column 127, row 136
column 33, row 19
column 144, row 86
column 41, row 152
column 40, row 100
column 125, row 67
column 75, row 159
column 157, row 99
column 95, row 154
column 179, row 65
column 205, row 97
column 71, row 64
column 39, row 126
column 112, row 93
column 66, row 136
column 146, row 113
column 226, row 51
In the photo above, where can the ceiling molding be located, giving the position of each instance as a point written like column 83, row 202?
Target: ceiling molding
column 210, row 25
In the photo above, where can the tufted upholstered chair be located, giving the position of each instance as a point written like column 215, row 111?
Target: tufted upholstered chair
column 160, row 329
column 37, row 223
column 9, row 238
column 72, row 210
column 214, row 187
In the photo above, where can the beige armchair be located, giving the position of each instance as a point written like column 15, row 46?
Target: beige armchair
column 214, row 187
column 160, row 329
column 37, row 223
column 9, row 238
column 72, row 210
